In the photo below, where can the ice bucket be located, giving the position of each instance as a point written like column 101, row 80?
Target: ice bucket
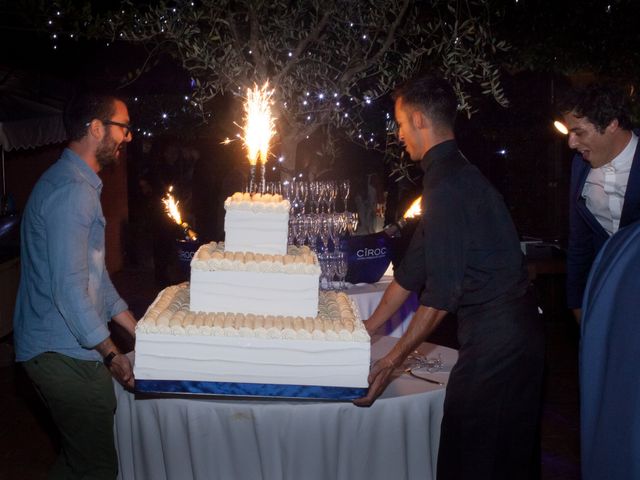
column 368, row 256
column 185, row 250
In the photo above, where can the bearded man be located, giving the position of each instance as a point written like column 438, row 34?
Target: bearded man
column 66, row 299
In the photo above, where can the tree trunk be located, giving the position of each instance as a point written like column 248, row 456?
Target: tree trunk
column 288, row 147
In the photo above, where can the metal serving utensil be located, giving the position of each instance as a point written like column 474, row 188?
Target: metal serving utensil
column 410, row 372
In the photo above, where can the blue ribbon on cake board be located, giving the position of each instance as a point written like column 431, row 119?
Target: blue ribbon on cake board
column 231, row 389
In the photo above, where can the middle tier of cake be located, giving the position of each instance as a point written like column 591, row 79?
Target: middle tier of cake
column 242, row 282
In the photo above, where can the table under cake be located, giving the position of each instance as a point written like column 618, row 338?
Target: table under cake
column 202, row 438
column 367, row 296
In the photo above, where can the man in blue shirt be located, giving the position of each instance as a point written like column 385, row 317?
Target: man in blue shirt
column 66, row 298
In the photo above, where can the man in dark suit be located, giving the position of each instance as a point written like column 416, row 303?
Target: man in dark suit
column 605, row 177
column 609, row 358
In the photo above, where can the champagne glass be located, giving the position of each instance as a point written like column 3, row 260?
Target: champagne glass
column 319, row 196
column 352, row 222
column 345, row 188
column 314, row 196
column 323, row 260
column 300, row 230
column 325, row 192
column 303, row 229
column 295, row 197
column 339, row 228
column 287, row 189
column 333, row 193
column 304, row 194
column 313, row 226
column 291, row 231
column 342, row 266
column 331, row 269
column 325, row 223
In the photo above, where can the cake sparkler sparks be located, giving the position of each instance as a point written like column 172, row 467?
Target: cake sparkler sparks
column 258, row 129
column 171, row 207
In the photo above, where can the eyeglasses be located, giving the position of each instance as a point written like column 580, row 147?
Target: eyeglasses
column 125, row 127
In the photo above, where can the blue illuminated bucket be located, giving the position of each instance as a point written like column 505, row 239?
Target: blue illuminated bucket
column 186, row 249
column 369, row 256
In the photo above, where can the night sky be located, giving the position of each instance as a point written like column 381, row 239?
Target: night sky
column 554, row 44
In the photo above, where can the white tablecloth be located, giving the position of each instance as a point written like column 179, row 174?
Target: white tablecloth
column 367, row 297
column 182, row 439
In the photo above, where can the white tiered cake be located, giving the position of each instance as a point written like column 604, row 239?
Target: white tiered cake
column 252, row 322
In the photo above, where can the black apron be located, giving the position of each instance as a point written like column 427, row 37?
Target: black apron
column 490, row 428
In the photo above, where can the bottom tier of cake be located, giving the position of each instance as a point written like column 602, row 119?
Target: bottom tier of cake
column 179, row 351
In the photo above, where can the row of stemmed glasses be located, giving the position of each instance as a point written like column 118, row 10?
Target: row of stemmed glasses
column 276, row 188
column 322, row 196
column 312, row 197
column 319, row 229
column 333, row 264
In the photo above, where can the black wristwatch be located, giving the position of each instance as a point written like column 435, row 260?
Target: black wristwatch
column 108, row 359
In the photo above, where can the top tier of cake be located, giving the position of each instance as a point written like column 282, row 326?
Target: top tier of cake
column 256, row 223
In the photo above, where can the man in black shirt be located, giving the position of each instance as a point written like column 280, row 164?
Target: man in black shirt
column 465, row 258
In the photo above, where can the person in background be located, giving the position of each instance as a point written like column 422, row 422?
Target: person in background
column 605, row 177
column 367, row 205
column 465, row 258
column 66, row 299
column 609, row 359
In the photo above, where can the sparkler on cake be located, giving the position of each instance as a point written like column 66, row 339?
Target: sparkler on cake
column 258, row 129
column 171, row 207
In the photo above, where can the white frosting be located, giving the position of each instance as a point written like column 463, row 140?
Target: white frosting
column 298, row 260
column 257, row 223
column 251, row 360
column 173, row 302
column 332, row 349
column 254, row 292
column 257, row 203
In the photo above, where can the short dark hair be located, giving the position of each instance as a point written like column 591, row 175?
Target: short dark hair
column 85, row 107
column 433, row 95
column 599, row 104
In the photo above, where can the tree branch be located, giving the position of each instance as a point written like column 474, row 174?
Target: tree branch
column 349, row 74
column 305, row 42
column 143, row 69
column 254, row 43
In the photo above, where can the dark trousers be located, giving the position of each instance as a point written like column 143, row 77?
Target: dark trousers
column 79, row 395
column 490, row 428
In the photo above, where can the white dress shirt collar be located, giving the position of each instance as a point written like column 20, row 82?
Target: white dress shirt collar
column 605, row 187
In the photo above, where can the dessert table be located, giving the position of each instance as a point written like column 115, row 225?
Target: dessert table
column 203, row 438
column 367, row 296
